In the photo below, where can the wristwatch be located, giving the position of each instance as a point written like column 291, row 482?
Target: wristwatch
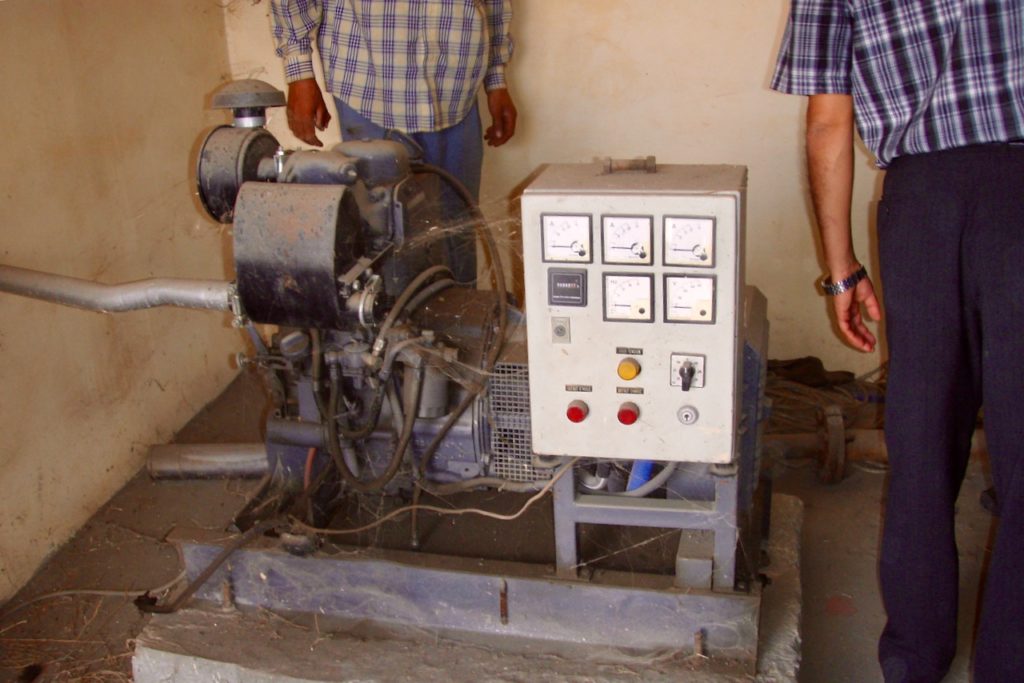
column 834, row 288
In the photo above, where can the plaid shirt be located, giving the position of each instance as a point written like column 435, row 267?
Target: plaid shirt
column 925, row 75
column 414, row 65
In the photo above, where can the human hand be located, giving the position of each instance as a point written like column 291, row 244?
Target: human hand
column 307, row 111
column 503, row 117
column 848, row 314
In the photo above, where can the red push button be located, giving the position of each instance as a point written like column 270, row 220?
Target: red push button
column 628, row 413
column 577, row 411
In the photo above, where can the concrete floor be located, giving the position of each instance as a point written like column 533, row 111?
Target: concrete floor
column 842, row 609
column 83, row 628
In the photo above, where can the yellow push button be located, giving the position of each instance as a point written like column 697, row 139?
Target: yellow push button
column 629, row 368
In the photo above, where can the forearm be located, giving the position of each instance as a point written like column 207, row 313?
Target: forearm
column 296, row 24
column 830, row 173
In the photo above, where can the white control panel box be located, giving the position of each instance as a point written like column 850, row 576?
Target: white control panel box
column 633, row 286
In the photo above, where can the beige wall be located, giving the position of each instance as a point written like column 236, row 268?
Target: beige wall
column 685, row 80
column 103, row 105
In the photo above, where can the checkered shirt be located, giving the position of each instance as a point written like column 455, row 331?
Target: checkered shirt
column 414, row 65
column 925, row 75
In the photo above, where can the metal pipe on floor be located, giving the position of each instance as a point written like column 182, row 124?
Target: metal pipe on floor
column 130, row 296
column 207, row 461
column 295, row 433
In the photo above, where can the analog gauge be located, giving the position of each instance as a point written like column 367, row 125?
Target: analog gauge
column 690, row 242
column 689, row 299
column 627, row 239
column 629, row 297
column 566, row 238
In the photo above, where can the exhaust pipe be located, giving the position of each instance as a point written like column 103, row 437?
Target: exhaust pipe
column 132, row 296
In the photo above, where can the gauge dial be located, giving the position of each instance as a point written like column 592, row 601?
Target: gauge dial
column 566, row 238
column 629, row 298
column 689, row 299
column 690, row 241
column 627, row 239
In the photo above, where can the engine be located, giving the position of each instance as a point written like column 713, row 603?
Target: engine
column 379, row 366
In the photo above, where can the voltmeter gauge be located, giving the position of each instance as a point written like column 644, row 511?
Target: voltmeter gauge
column 689, row 299
column 629, row 298
column 566, row 238
column 689, row 241
column 627, row 239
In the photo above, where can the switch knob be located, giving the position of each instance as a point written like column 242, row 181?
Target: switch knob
column 686, row 374
column 577, row 411
column 629, row 368
column 629, row 413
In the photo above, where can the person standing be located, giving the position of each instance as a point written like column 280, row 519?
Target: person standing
column 935, row 89
column 414, row 66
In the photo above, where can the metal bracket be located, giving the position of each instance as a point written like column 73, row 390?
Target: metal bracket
column 347, row 282
column 238, row 317
column 645, row 164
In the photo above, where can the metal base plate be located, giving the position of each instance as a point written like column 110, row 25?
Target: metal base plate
column 514, row 602
column 367, row 596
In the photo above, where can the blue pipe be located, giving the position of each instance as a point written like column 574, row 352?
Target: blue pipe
column 640, row 474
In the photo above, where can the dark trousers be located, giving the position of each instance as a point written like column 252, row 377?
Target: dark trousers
column 951, row 239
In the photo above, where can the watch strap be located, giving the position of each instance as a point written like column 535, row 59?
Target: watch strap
column 835, row 288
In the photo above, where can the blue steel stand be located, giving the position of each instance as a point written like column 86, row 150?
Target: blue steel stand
column 719, row 517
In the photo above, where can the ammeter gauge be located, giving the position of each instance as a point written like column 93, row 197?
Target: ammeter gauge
column 689, row 299
column 689, row 241
column 627, row 239
column 566, row 238
column 629, row 297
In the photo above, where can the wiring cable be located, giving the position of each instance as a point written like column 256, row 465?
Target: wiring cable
column 443, row 511
column 106, row 593
column 430, row 291
column 373, row 415
column 334, row 444
column 345, row 465
column 494, row 482
column 501, row 295
column 400, row 303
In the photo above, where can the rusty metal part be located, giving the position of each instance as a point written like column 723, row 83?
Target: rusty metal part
column 833, row 464
column 292, row 242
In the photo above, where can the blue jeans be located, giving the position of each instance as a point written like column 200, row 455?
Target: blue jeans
column 458, row 150
column 951, row 245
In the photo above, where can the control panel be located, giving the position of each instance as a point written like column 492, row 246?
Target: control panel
column 633, row 286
